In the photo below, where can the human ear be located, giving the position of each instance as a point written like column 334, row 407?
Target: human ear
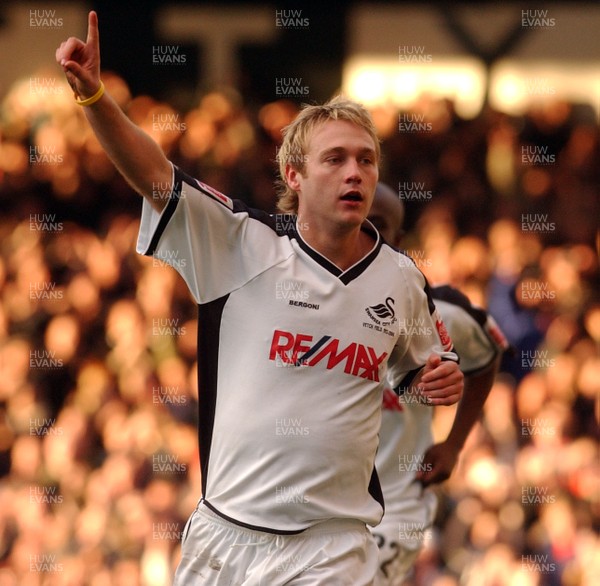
column 292, row 177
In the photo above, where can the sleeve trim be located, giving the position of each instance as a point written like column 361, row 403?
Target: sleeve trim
column 167, row 213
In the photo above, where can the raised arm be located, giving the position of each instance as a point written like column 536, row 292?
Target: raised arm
column 137, row 157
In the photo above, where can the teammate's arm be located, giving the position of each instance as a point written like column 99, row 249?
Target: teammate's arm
column 137, row 157
column 441, row 458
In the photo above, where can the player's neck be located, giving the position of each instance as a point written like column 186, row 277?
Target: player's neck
column 343, row 248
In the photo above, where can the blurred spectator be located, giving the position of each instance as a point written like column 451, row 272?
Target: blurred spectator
column 98, row 447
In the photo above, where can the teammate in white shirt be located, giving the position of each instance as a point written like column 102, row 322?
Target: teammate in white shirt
column 298, row 320
column 407, row 462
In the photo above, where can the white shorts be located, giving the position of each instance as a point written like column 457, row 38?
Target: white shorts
column 333, row 553
column 395, row 564
column 400, row 537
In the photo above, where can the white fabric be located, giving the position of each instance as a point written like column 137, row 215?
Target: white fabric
column 405, row 437
column 293, row 438
column 218, row 553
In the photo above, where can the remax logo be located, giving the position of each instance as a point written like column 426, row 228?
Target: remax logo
column 302, row 350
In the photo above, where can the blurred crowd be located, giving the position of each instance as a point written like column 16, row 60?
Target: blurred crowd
column 98, row 443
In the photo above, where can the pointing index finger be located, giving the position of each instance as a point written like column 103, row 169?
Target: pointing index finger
column 92, row 34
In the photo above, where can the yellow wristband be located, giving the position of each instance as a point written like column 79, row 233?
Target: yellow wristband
column 92, row 99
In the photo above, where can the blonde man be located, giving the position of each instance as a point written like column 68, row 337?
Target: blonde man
column 294, row 342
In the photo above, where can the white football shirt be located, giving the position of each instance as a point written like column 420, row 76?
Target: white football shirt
column 292, row 356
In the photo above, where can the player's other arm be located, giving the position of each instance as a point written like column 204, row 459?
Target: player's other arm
column 443, row 456
column 137, row 157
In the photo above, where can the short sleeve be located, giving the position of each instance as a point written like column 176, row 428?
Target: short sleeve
column 217, row 244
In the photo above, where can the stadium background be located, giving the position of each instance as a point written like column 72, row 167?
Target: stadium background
column 489, row 119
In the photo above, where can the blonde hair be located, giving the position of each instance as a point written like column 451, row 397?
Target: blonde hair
column 297, row 134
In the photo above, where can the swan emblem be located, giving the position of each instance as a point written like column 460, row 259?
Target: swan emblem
column 384, row 310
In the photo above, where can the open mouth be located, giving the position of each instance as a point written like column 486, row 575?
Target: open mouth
column 352, row 196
